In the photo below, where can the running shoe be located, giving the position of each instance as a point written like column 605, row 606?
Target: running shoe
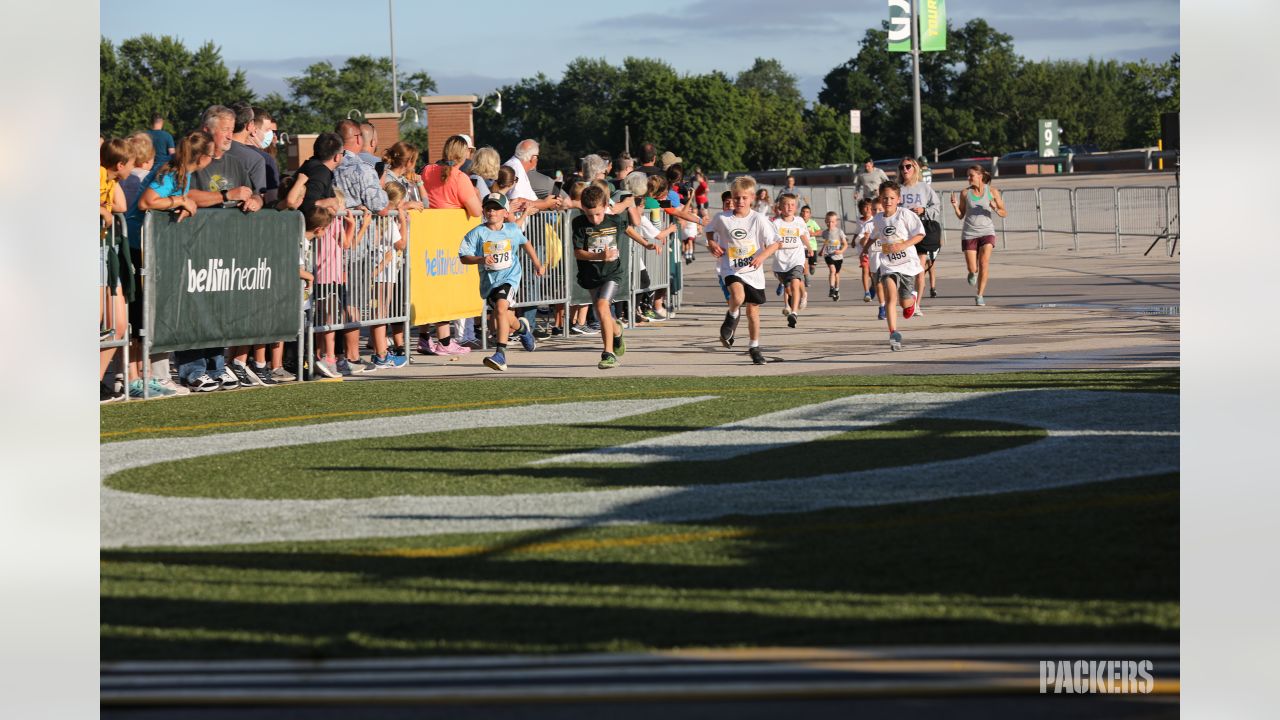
column 973, row 278
column 262, row 373
column 154, row 389
column 527, row 340
column 607, row 360
column 619, row 345
column 280, row 375
column 779, row 290
column 452, row 348
column 382, row 362
column 836, row 297
column 203, row 383
column 497, row 361
column 170, row 385
column 727, row 329
column 791, row 320
column 757, row 357
column 228, row 379
column 398, row 360
column 831, row 293
column 979, row 301
column 873, row 292
column 866, row 297
column 577, row 330
column 804, row 301
column 895, row 341
column 241, row 371
column 933, row 292
column 882, row 314
column 107, row 395
column 326, row 368
column 908, row 312
column 661, row 314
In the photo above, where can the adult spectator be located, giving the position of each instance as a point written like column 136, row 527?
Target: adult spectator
column 649, row 160
column 471, row 153
column 669, row 158
column 313, row 182
column 484, row 169
column 354, row 177
column 448, row 187
column 594, row 168
column 523, row 162
column 160, row 139
column 252, row 160
column 789, row 186
column 262, row 137
column 622, row 167
column 224, row 181
column 369, row 134
column 867, row 181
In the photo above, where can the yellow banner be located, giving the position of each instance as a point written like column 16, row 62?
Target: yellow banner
column 442, row 287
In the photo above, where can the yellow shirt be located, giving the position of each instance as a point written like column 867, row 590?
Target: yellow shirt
column 106, row 188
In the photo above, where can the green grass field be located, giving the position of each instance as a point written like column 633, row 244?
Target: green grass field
column 1095, row 563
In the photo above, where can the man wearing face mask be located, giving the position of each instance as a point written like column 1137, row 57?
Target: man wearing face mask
column 240, row 150
column 262, row 137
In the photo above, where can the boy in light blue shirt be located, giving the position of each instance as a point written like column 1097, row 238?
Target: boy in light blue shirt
column 493, row 246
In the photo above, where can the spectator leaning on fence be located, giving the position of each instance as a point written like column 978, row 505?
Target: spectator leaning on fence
column 524, row 161
column 484, row 169
column 358, row 182
column 399, row 162
column 114, row 164
column 369, row 153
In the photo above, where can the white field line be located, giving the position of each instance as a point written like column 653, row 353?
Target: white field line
column 1095, row 436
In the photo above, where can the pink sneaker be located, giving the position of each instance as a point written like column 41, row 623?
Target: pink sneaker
column 452, row 348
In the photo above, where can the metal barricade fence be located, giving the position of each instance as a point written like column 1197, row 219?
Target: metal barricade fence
column 1057, row 214
column 1022, row 208
column 114, row 330
column 655, row 263
column 361, row 279
column 549, row 235
column 1143, row 211
column 1097, row 213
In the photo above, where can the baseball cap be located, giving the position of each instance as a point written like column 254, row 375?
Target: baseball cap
column 495, row 199
column 669, row 158
column 470, row 145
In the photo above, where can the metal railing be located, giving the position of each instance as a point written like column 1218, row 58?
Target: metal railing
column 112, row 241
column 549, row 234
column 360, row 279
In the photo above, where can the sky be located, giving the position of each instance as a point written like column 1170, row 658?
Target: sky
column 471, row 53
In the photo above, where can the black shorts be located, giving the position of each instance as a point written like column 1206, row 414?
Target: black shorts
column 755, row 296
column 501, row 292
column 836, row 263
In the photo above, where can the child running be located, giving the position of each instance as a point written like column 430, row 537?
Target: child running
column 493, row 245
column 815, row 230
column 866, row 213
column 894, row 234
column 789, row 262
column 595, row 245
column 834, row 243
column 742, row 241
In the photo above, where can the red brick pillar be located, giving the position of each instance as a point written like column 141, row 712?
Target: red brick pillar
column 388, row 127
column 447, row 115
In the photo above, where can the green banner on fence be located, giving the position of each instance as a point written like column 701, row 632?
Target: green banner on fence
column 933, row 25
column 222, row 278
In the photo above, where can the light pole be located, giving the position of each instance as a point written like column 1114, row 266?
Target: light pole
column 967, row 143
column 497, row 105
column 395, row 83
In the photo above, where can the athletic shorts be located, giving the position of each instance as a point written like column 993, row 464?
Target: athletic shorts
column 968, row 244
column 835, row 262
column 864, row 261
column 755, row 296
column 605, row 292
column 501, row 292
column 795, row 273
column 906, row 283
column 932, row 255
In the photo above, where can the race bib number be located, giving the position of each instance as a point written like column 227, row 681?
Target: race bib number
column 497, row 254
column 790, row 237
column 740, row 256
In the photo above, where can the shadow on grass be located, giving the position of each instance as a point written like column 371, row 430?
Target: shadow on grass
column 1095, row 563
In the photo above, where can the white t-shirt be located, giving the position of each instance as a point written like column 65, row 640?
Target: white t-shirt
column 742, row 238
column 864, row 232
column 522, row 188
column 387, row 243
column 898, row 227
column 794, row 234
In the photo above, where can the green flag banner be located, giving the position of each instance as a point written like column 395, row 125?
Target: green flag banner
column 933, row 25
column 899, row 25
column 222, row 277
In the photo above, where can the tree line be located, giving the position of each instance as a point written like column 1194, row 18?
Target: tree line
column 978, row 89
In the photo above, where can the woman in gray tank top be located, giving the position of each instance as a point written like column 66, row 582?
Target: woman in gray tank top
column 974, row 205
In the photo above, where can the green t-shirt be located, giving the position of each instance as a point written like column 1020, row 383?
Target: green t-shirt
column 814, row 231
column 610, row 233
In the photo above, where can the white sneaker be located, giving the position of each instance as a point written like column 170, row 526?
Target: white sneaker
column 804, row 302
column 177, row 389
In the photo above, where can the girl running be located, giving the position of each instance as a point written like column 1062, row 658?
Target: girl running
column 978, row 236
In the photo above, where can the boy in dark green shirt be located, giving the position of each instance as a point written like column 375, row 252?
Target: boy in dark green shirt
column 596, row 238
